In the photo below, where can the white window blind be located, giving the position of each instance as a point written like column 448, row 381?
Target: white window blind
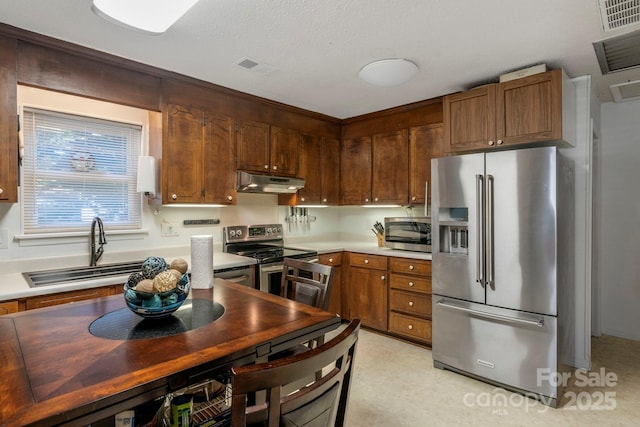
column 76, row 168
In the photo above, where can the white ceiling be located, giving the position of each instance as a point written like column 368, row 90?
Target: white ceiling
column 318, row 47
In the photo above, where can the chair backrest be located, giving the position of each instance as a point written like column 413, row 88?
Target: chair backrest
column 321, row 403
column 306, row 282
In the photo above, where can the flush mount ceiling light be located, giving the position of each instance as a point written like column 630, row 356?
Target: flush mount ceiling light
column 148, row 16
column 388, row 72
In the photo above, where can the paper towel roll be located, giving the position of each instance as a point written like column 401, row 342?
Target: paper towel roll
column 202, row 262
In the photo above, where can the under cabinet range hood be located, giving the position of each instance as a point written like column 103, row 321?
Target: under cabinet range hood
column 256, row 183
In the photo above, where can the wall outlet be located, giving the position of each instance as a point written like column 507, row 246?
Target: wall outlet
column 169, row 229
column 4, row 238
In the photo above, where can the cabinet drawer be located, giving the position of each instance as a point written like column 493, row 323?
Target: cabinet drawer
column 375, row 262
column 409, row 326
column 8, row 307
column 410, row 302
column 65, row 297
column 331, row 259
column 420, row 267
column 412, row 283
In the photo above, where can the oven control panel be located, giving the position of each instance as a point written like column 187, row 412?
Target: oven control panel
column 246, row 233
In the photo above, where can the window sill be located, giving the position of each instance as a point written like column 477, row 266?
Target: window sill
column 44, row 239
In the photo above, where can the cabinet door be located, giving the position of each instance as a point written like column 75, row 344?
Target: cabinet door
column 253, row 147
column 65, row 297
column 390, row 168
column 355, row 171
column 335, row 299
column 469, row 119
column 530, row 109
column 8, row 121
column 182, row 155
column 425, row 143
column 330, row 171
column 310, row 167
column 367, row 296
column 284, row 151
column 8, row 307
column 219, row 154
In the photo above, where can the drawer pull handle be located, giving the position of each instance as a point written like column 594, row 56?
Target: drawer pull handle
column 330, row 259
column 366, row 261
column 411, row 267
column 382, row 277
column 410, row 327
column 411, row 284
column 410, row 303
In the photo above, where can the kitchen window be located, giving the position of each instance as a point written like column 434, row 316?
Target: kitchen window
column 76, row 168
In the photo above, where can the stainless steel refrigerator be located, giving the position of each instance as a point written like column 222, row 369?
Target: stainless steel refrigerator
column 503, row 267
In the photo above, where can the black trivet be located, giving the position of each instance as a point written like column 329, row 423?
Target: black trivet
column 123, row 324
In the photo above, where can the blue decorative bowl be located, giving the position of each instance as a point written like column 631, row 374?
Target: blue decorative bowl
column 156, row 305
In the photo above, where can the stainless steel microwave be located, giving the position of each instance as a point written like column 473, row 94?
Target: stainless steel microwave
column 408, row 233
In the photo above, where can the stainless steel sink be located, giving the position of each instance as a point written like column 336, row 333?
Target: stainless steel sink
column 66, row 275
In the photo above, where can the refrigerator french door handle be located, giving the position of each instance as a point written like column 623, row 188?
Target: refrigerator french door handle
column 426, row 198
column 489, row 233
column 538, row 323
column 479, row 221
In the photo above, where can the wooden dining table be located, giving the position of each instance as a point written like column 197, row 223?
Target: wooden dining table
column 68, row 365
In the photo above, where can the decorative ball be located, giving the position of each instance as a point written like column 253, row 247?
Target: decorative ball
column 164, row 281
column 152, row 266
column 154, row 301
column 134, row 279
column 175, row 273
column 145, row 285
column 180, row 264
column 132, row 296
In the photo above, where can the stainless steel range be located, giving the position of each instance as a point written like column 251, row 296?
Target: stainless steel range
column 265, row 243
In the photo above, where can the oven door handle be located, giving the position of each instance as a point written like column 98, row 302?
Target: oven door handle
column 271, row 268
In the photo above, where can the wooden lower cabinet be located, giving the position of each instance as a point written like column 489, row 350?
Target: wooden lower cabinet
column 335, row 298
column 71, row 296
column 8, row 307
column 410, row 298
column 367, row 290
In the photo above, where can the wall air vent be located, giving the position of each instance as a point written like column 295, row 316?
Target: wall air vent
column 626, row 91
column 618, row 53
column 253, row 65
column 619, row 13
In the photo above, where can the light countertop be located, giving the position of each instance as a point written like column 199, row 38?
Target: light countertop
column 13, row 285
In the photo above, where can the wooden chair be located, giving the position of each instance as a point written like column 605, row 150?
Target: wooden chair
column 321, row 403
column 306, row 282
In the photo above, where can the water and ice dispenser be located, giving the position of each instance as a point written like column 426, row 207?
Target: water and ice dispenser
column 454, row 230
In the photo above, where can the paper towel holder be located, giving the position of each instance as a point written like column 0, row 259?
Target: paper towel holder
column 146, row 182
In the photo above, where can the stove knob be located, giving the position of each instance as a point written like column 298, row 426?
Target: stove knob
column 239, row 233
column 268, row 231
column 279, row 229
column 232, row 233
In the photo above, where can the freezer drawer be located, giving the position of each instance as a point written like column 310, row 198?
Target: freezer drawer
column 512, row 348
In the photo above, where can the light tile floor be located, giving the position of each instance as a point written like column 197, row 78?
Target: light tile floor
column 396, row 385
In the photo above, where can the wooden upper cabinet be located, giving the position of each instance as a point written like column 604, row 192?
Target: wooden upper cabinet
column 8, row 121
column 198, row 157
column 284, row 151
column 425, row 143
column 219, row 155
column 469, row 119
column 253, row 147
column 530, row 109
column 533, row 109
column 330, row 171
column 267, row 149
column 390, row 168
column 310, row 168
column 319, row 165
column 355, row 171
column 182, row 155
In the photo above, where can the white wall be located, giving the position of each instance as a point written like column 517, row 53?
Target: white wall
column 618, row 273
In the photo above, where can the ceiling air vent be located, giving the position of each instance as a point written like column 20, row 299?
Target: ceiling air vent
column 618, row 53
column 626, row 91
column 253, row 65
column 619, row 13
